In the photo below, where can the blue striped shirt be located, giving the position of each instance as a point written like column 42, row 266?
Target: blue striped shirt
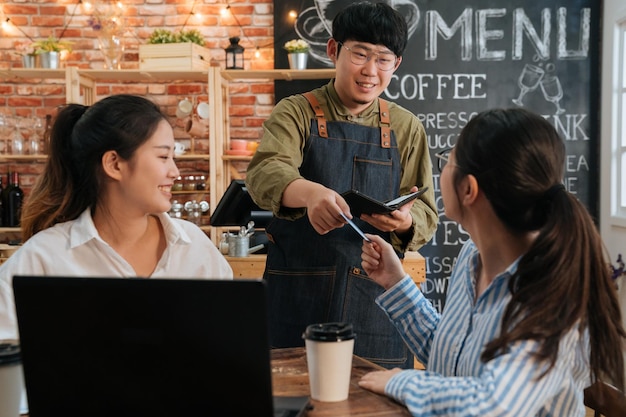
column 456, row 382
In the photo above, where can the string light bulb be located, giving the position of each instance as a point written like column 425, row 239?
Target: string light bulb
column 257, row 53
column 293, row 15
column 225, row 10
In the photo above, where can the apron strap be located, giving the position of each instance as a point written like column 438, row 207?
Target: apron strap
column 385, row 128
column 319, row 114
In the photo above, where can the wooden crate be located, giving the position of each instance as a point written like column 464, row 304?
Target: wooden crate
column 174, row 57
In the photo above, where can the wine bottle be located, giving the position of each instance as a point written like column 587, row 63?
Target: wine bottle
column 1, row 213
column 12, row 197
column 3, row 197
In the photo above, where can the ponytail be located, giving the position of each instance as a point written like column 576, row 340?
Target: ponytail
column 50, row 200
column 565, row 262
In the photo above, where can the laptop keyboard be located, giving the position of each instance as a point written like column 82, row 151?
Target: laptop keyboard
column 285, row 413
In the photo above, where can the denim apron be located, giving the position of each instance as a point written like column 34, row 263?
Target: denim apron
column 314, row 278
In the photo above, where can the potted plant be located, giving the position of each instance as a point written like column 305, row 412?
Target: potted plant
column 298, row 52
column 48, row 49
column 168, row 50
column 167, row 36
column 27, row 52
column 297, row 46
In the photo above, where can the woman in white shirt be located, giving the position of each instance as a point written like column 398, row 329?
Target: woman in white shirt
column 99, row 208
column 531, row 315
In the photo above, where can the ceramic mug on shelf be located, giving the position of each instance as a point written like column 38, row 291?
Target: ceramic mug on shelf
column 203, row 110
column 238, row 144
column 196, row 128
column 184, row 108
column 179, row 148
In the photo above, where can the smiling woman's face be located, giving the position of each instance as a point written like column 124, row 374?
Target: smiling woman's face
column 149, row 175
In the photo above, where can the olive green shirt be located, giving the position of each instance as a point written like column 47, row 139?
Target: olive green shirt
column 279, row 156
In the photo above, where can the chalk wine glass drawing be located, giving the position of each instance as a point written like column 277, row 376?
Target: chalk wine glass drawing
column 534, row 76
column 552, row 91
column 528, row 81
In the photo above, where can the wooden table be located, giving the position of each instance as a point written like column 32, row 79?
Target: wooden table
column 290, row 378
column 252, row 266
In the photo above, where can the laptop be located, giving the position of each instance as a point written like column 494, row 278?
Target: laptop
column 146, row 347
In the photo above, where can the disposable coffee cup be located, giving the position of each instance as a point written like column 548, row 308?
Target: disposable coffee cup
column 329, row 348
column 11, row 382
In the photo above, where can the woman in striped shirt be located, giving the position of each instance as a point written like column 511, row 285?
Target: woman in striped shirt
column 532, row 316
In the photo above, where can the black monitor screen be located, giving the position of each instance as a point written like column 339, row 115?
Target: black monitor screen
column 236, row 208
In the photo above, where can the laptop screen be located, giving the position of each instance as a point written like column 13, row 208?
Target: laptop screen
column 144, row 347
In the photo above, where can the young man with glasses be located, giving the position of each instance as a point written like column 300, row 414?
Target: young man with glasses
column 320, row 144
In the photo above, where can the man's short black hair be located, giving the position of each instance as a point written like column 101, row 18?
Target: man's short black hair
column 376, row 23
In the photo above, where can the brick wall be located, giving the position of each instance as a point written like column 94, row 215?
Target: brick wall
column 251, row 20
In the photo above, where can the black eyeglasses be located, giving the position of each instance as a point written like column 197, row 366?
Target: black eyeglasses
column 442, row 158
column 385, row 61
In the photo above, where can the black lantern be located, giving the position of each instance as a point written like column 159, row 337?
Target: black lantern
column 234, row 54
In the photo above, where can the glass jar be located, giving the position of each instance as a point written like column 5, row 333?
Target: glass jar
column 178, row 184
column 176, row 210
column 200, row 182
column 224, row 244
column 194, row 212
column 189, row 184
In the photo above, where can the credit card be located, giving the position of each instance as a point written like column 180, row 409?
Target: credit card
column 355, row 227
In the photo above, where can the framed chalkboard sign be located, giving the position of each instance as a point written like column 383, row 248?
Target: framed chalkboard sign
column 465, row 57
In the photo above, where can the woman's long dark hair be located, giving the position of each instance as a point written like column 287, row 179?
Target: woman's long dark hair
column 564, row 280
column 72, row 179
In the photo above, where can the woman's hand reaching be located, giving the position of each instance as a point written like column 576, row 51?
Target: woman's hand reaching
column 381, row 263
column 377, row 380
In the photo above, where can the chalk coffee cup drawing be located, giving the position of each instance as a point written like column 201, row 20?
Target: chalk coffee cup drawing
column 329, row 348
column 197, row 128
column 11, row 379
column 184, row 108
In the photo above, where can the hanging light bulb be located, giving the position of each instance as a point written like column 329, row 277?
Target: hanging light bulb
column 257, row 53
column 225, row 10
column 293, row 15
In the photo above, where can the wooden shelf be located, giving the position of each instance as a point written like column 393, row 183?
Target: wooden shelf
column 144, row 76
column 80, row 85
column 8, row 157
column 236, row 157
column 278, row 74
column 137, row 75
column 16, row 73
column 192, row 156
column 133, row 75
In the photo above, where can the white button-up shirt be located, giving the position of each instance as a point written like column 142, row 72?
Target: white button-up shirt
column 75, row 248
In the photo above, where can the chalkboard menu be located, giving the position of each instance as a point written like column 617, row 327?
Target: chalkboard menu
column 465, row 57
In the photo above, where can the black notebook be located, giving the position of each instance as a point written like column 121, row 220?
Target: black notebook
column 363, row 204
column 146, row 347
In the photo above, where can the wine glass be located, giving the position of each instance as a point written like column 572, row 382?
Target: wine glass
column 17, row 141
column 5, row 132
column 528, row 81
column 37, row 128
column 553, row 92
column 112, row 47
